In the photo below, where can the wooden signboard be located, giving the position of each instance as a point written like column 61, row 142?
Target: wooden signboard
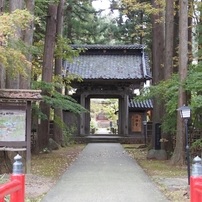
column 15, row 121
column 136, row 123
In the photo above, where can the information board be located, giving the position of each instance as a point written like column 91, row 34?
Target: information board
column 12, row 125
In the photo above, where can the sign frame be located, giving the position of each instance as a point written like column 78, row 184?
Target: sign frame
column 19, row 145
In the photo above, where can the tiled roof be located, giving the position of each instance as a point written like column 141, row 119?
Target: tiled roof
column 98, row 65
column 101, row 46
column 148, row 104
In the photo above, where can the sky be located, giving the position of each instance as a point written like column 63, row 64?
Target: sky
column 101, row 4
column 104, row 4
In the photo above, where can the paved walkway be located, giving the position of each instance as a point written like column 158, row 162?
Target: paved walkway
column 102, row 131
column 104, row 173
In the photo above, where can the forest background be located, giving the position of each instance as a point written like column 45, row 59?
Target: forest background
column 35, row 37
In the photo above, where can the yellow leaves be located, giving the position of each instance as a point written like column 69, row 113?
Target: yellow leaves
column 20, row 63
column 10, row 23
column 145, row 8
column 134, row 5
column 14, row 61
column 11, row 56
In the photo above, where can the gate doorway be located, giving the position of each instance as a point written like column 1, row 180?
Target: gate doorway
column 104, row 116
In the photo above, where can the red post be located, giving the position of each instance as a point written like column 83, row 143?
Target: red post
column 16, row 187
column 196, row 188
column 18, row 196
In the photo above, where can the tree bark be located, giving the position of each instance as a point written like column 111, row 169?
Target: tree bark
column 178, row 157
column 58, row 132
column 1, row 6
column 169, row 34
column 28, row 39
column 190, row 26
column 2, row 69
column 43, row 133
column 13, row 83
column 176, row 36
column 168, row 68
column 157, row 65
column 15, row 4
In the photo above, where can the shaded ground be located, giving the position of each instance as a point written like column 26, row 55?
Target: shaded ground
column 46, row 169
column 36, row 186
column 171, row 180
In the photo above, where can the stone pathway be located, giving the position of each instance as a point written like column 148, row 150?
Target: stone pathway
column 102, row 131
column 104, row 172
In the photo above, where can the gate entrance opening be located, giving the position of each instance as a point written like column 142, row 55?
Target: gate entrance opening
column 104, row 116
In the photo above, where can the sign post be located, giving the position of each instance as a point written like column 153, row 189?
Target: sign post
column 15, row 121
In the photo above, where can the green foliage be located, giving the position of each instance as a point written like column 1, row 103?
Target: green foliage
column 45, row 150
column 110, row 109
column 166, row 92
column 40, row 12
column 193, row 85
column 56, row 99
column 93, row 124
column 64, row 50
column 82, row 26
column 36, row 112
column 197, row 145
column 68, row 131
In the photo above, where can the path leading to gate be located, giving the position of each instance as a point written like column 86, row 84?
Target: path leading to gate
column 102, row 131
column 104, row 173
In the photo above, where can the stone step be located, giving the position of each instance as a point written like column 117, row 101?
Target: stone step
column 102, row 138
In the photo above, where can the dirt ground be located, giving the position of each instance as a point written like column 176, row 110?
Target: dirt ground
column 36, row 186
column 46, row 169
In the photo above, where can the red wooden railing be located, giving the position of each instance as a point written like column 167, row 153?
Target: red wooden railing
column 196, row 189
column 16, row 187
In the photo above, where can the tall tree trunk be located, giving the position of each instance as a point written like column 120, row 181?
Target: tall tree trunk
column 169, row 34
column 69, row 23
column 28, row 39
column 1, row 6
column 168, row 68
column 157, row 65
column 2, row 76
column 176, row 36
column 14, row 82
column 58, row 132
column 190, row 27
column 178, row 157
column 2, row 69
column 43, row 133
